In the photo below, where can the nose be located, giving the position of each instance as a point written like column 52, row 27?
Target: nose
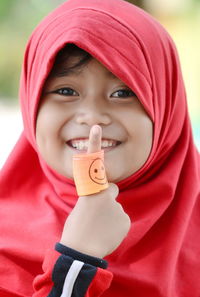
column 92, row 113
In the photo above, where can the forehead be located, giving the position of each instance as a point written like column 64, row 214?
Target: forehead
column 75, row 66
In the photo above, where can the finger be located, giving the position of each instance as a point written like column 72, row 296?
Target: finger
column 94, row 144
column 114, row 190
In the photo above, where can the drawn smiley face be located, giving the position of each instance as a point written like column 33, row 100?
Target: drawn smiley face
column 97, row 172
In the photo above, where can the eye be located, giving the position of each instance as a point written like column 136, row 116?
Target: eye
column 66, row 92
column 123, row 93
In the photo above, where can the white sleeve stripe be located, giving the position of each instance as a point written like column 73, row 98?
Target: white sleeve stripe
column 71, row 278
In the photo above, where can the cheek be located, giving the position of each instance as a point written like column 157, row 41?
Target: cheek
column 139, row 144
column 138, row 124
column 142, row 130
column 50, row 119
column 147, row 133
column 43, row 127
column 47, row 126
column 141, row 139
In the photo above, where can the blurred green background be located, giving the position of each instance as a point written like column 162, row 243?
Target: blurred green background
column 180, row 17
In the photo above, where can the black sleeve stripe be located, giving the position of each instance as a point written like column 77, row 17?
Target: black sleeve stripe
column 80, row 284
column 71, row 278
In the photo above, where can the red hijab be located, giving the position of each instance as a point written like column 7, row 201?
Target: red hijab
column 160, row 256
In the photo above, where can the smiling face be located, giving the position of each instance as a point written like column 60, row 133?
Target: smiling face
column 97, row 172
column 73, row 101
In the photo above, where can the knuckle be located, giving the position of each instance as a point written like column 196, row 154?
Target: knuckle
column 113, row 189
column 128, row 222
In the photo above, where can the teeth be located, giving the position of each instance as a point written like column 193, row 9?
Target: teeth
column 107, row 143
column 83, row 144
column 80, row 144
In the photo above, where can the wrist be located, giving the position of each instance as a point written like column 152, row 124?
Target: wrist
column 84, row 249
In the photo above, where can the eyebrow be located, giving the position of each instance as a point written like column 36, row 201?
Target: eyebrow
column 111, row 74
column 64, row 72
column 67, row 72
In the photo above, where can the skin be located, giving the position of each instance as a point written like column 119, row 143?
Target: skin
column 98, row 105
column 94, row 97
column 98, row 233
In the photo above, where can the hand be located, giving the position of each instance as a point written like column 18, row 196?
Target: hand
column 97, row 224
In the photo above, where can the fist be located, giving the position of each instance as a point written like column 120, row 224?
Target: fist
column 97, row 224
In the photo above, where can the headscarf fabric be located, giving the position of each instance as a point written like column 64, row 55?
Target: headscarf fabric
column 160, row 255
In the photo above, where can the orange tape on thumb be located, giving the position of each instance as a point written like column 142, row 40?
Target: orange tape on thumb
column 89, row 173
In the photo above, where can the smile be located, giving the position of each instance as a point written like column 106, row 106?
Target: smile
column 100, row 178
column 82, row 144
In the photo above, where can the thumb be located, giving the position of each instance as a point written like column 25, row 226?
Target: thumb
column 113, row 190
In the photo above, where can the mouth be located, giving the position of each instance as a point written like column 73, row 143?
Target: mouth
column 81, row 144
column 100, row 178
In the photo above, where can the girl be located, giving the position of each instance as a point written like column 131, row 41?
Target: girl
column 101, row 75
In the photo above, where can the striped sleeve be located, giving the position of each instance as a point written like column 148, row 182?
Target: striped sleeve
column 73, row 275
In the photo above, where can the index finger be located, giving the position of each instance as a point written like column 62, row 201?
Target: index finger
column 94, row 144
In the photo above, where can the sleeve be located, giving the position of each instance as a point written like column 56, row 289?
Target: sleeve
column 69, row 273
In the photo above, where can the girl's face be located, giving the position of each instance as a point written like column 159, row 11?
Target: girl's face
column 75, row 101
